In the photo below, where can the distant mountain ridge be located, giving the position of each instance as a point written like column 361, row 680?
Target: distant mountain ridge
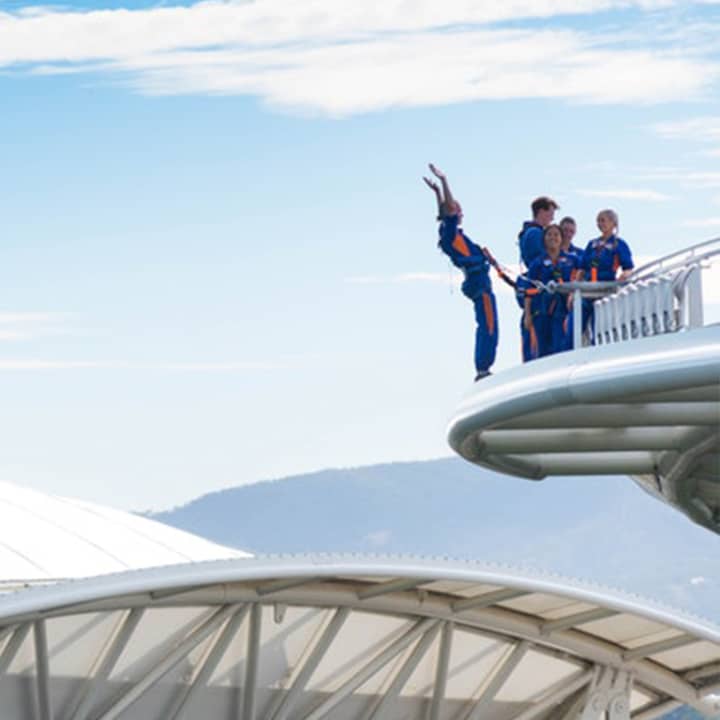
column 603, row 530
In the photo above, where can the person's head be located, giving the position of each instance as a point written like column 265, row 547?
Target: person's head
column 569, row 228
column 552, row 239
column 451, row 208
column 607, row 222
column 543, row 210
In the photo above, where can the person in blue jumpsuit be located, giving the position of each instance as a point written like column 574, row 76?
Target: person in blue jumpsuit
column 547, row 315
column 603, row 257
column 475, row 265
column 569, row 228
column 530, row 240
column 530, row 237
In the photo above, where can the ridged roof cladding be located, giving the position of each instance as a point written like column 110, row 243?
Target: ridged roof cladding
column 46, row 537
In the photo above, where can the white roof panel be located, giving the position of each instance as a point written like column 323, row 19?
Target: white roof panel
column 47, row 537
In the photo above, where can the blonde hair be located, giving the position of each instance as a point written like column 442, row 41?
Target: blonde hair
column 612, row 215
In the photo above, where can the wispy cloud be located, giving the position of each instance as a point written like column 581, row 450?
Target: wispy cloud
column 403, row 278
column 617, row 194
column 340, row 57
column 684, row 177
column 195, row 367
column 452, row 278
column 705, row 128
column 702, row 222
column 19, row 326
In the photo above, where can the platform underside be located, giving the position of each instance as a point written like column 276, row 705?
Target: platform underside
column 649, row 408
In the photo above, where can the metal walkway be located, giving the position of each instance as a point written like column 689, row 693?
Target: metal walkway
column 644, row 401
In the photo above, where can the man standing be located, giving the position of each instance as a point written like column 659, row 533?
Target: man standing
column 532, row 247
column 531, row 235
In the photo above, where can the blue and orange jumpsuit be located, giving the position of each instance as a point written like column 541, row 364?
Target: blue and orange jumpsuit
column 471, row 259
column 532, row 246
column 550, row 317
column 600, row 262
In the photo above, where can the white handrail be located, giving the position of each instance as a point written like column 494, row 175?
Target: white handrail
column 660, row 297
column 693, row 255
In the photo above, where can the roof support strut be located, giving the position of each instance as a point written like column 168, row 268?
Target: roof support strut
column 378, row 662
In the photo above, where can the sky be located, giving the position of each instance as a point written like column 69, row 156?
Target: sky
column 218, row 262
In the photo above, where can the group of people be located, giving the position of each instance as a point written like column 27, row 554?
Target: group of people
column 547, row 254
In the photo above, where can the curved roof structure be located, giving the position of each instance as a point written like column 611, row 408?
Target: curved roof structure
column 347, row 638
column 649, row 408
column 45, row 538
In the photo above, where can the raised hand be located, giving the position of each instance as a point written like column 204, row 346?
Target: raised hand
column 432, row 185
column 436, row 171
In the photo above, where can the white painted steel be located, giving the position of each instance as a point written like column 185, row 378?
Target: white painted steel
column 47, row 537
column 377, row 655
column 650, row 408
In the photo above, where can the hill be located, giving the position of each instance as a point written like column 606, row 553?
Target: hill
column 604, row 530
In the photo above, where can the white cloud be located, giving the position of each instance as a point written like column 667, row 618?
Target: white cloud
column 697, row 580
column 38, row 364
column 702, row 222
column 378, row 538
column 700, row 128
column 340, row 57
column 452, row 279
column 649, row 195
column 402, row 278
column 19, row 326
column 48, row 34
column 686, row 178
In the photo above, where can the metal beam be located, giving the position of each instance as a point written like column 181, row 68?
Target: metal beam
column 658, row 647
column 382, row 710
column 251, row 662
column 487, row 599
column 656, row 711
column 42, row 668
column 441, row 673
column 646, row 414
column 587, row 463
column 106, row 661
column 283, row 584
column 570, row 439
column 399, row 585
column 498, row 679
column 153, row 673
column 706, row 442
column 702, row 672
column 311, row 663
column 581, row 618
column 13, row 645
column 555, row 697
column 209, row 663
column 572, row 706
column 378, row 662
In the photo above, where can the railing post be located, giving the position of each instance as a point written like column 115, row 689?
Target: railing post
column 577, row 319
column 694, row 298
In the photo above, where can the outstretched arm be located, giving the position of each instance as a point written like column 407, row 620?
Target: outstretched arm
column 438, row 195
column 450, row 205
column 442, row 177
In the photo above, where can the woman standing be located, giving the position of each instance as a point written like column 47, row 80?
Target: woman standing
column 473, row 261
column 546, row 314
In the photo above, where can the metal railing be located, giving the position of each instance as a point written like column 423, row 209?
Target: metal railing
column 660, row 297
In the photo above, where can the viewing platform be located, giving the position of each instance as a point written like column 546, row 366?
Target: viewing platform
column 644, row 400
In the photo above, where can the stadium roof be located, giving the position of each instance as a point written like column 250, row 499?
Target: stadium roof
column 46, row 538
column 348, row 638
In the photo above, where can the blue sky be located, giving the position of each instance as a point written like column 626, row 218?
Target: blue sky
column 218, row 260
